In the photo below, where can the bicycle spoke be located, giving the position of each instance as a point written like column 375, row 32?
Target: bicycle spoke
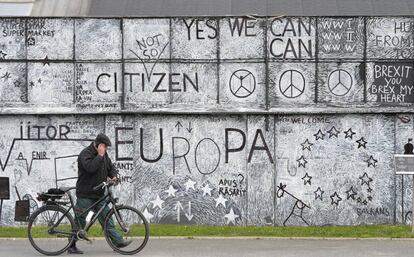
column 130, row 225
column 50, row 230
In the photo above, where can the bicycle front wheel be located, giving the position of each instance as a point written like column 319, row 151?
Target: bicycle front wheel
column 50, row 230
column 129, row 224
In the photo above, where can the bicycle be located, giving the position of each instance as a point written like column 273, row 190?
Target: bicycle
column 56, row 221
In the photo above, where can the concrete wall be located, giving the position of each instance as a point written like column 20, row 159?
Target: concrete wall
column 215, row 120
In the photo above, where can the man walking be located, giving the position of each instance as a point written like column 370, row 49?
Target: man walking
column 95, row 167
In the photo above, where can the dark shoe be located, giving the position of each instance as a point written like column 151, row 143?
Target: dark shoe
column 74, row 250
column 123, row 243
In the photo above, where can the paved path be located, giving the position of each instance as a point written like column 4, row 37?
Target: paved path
column 236, row 247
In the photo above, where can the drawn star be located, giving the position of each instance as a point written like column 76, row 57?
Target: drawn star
column 5, row 76
column 369, row 190
column 350, row 194
column 349, row 133
column 319, row 194
column 231, row 217
column 335, row 199
column 17, row 83
column 302, row 161
column 2, row 55
column 333, row 132
column 371, row 161
column 369, row 198
column 157, row 202
column 31, row 84
column 46, row 61
column 365, row 179
column 39, row 81
column 221, row 200
column 31, row 41
column 306, row 145
column 365, row 202
column 307, row 179
column 189, row 184
column 319, row 135
column 148, row 216
column 359, row 199
column 206, row 190
column 171, row 191
column 362, row 143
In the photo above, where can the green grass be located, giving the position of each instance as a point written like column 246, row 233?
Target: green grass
column 385, row 231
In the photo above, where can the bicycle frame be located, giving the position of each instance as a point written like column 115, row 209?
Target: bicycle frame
column 95, row 216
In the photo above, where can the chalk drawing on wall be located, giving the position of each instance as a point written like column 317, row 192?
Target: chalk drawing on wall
column 319, row 135
column 372, row 162
column 64, row 163
column 333, row 132
column 5, row 76
column 339, row 82
column 307, row 179
column 149, row 68
column 362, row 143
column 365, row 180
column 319, row 194
column 157, row 202
column 358, row 190
column 38, row 157
column 2, row 55
column 231, row 217
column 335, row 199
column 31, row 41
column 171, row 191
column 302, row 162
column 297, row 208
column 220, row 200
column 242, row 83
column 404, row 118
column 349, row 133
column 306, row 145
column 206, row 190
column 350, row 194
column 292, row 83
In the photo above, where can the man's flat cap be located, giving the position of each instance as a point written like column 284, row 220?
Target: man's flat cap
column 101, row 138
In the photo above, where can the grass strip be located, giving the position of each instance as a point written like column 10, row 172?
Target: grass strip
column 368, row 231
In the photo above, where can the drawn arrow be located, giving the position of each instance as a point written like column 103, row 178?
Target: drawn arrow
column 178, row 207
column 178, row 125
column 189, row 129
column 189, row 215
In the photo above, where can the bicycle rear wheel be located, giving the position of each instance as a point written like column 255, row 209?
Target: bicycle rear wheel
column 131, row 225
column 50, row 230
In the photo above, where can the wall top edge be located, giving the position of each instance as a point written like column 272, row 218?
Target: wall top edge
column 255, row 112
column 208, row 16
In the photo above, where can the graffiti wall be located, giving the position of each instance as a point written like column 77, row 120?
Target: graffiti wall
column 214, row 120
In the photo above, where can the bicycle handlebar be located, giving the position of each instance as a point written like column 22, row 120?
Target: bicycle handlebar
column 104, row 184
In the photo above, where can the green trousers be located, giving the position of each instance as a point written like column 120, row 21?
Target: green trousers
column 82, row 204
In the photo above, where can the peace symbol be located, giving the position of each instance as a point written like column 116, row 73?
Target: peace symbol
column 339, row 82
column 292, row 83
column 242, row 83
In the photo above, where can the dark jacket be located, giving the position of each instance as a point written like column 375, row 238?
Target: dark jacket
column 93, row 170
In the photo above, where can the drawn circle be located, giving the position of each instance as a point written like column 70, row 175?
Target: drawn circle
column 339, row 82
column 203, row 160
column 242, row 83
column 292, row 83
